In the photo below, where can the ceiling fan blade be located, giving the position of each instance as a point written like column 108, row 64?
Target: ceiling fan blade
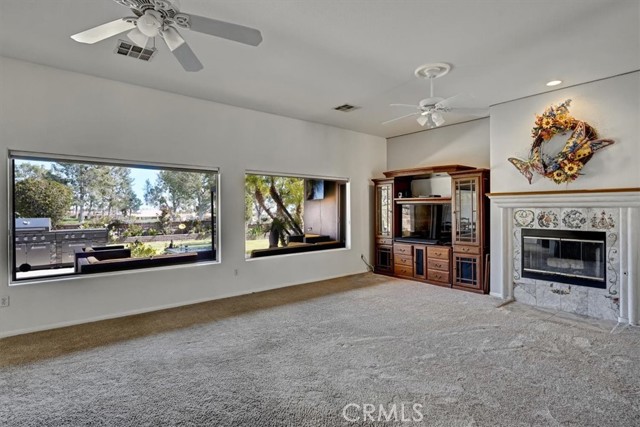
column 399, row 118
column 403, row 105
column 225, row 30
column 172, row 38
column 187, row 58
column 104, row 31
column 137, row 37
column 480, row 112
column 448, row 102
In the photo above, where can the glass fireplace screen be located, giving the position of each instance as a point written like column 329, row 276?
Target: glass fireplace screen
column 574, row 257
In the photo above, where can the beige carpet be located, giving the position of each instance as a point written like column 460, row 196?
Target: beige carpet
column 298, row 356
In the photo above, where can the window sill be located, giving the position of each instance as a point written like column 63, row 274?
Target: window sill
column 74, row 277
column 298, row 254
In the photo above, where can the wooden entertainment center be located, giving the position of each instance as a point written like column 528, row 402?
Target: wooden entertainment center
column 441, row 239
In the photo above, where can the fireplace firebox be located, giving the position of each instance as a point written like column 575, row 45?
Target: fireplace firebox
column 565, row 256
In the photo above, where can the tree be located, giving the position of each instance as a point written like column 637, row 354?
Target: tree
column 24, row 169
column 281, row 198
column 42, row 198
column 181, row 191
column 99, row 189
column 79, row 176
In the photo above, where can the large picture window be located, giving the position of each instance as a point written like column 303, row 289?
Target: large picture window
column 73, row 216
column 289, row 214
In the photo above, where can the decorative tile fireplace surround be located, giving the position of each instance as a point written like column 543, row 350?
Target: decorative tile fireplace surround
column 609, row 214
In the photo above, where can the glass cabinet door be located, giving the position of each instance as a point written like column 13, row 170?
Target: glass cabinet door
column 384, row 259
column 384, row 221
column 466, row 210
column 466, row 271
column 419, row 260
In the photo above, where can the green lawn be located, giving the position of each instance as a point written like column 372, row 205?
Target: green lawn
column 159, row 247
column 250, row 245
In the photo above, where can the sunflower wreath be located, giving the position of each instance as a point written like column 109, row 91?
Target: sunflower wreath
column 566, row 165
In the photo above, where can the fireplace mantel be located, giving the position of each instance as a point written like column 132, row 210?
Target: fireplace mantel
column 609, row 197
column 624, row 201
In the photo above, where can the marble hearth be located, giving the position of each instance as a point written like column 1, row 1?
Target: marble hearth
column 615, row 213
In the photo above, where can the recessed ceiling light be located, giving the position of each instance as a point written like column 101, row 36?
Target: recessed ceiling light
column 554, row 82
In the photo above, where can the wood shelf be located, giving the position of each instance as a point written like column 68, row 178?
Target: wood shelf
column 426, row 171
column 423, row 200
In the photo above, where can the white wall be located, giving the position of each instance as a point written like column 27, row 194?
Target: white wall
column 461, row 144
column 611, row 106
column 48, row 110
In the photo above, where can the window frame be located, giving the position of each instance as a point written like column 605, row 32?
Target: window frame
column 346, row 181
column 13, row 154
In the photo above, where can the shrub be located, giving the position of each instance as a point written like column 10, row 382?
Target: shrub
column 140, row 250
column 133, row 230
column 42, row 198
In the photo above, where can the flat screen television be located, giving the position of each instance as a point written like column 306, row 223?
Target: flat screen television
column 315, row 189
column 426, row 223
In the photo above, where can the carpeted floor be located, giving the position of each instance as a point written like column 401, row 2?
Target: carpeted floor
column 297, row 356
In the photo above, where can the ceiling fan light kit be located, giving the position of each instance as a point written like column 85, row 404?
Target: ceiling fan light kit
column 159, row 18
column 430, row 109
column 138, row 37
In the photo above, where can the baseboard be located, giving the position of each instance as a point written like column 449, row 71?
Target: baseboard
column 161, row 307
column 497, row 295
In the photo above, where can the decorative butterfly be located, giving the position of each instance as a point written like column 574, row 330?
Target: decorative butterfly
column 577, row 151
column 580, row 147
column 523, row 166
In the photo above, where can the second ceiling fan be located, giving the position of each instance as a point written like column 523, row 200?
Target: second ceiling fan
column 155, row 18
column 430, row 111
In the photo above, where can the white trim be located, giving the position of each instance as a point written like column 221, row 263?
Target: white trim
column 631, row 274
column 293, row 175
column 618, row 199
column 628, row 203
column 317, row 251
column 73, row 277
column 40, row 156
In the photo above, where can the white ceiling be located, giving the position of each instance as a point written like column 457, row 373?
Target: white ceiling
column 318, row 54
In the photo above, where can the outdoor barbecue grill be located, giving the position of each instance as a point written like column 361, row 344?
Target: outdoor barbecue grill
column 38, row 247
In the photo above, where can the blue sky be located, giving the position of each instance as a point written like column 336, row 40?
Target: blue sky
column 139, row 175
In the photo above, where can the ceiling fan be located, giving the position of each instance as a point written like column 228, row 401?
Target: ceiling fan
column 430, row 110
column 160, row 18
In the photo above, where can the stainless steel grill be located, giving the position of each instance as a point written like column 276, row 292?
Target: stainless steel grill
column 38, row 247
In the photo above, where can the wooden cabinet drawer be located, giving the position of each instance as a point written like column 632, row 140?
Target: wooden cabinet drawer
column 438, row 276
column 403, row 270
column 384, row 241
column 438, row 252
column 438, row 264
column 403, row 259
column 475, row 250
column 403, row 249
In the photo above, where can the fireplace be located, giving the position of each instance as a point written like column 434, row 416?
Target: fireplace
column 565, row 256
column 612, row 293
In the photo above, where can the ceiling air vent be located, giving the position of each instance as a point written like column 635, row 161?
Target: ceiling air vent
column 345, row 108
column 129, row 49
